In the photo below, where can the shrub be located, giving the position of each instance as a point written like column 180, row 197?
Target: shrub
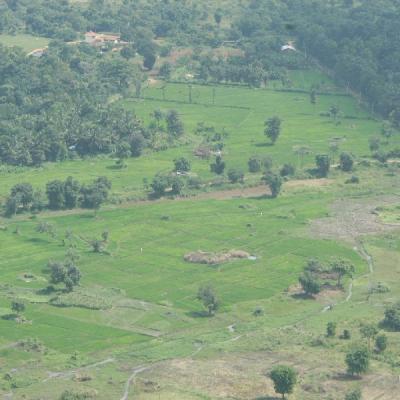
column 235, row 175
column 331, row 329
column 392, row 317
column 346, row 335
column 182, row 165
column 218, row 166
column 381, row 342
column 323, row 163
column 287, row 170
column 346, row 162
column 254, row 164
column 353, row 395
column 354, row 180
column 274, row 182
column 357, row 360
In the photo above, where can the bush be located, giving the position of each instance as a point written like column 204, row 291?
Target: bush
column 160, row 184
column 381, row 156
column 323, row 163
column 331, row 329
column 274, row 182
column 287, row 170
column 254, row 164
column 346, row 162
column 353, row 180
column 194, row 182
column 235, row 175
column 182, row 165
column 392, row 317
column 357, row 360
column 218, row 166
column 177, row 185
column 353, row 395
column 381, row 342
column 346, row 335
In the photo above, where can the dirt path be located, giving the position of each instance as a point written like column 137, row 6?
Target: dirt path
column 68, row 374
column 129, row 382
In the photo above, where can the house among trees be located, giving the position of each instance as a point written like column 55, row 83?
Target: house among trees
column 99, row 39
column 38, row 52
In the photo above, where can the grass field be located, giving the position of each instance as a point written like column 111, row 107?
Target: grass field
column 27, row 42
column 241, row 112
column 135, row 318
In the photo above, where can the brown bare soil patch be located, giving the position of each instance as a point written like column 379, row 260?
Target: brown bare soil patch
column 244, row 376
column 309, row 183
column 202, row 257
column 352, row 219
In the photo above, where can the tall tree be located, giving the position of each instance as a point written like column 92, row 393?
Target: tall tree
column 273, row 128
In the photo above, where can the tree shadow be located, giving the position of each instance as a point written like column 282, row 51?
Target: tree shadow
column 302, row 296
column 46, row 291
column 198, row 314
column 37, row 240
column 344, row 377
column 261, row 197
column 114, row 167
column 9, row 317
column 268, row 398
column 264, row 144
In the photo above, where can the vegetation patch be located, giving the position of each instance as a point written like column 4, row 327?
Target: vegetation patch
column 97, row 298
column 202, row 257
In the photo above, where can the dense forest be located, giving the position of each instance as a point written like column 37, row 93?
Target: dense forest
column 57, row 106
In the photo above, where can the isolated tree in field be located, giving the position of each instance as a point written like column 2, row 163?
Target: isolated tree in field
column 67, row 273
column 158, row 116
column 165, row 70
column 235, row 175
column 273, row 128
column 346, row 162
column 369, row 332
column 254, row 164
column 24, row 193
column 218, row 16
column 123, row 152
column 374, row 143
column 309, row 284
column 334, row 112
column 357, row 360
column 387, row 130
column 313, row 97
column 55, row 194
column 95, row 194
column 174, row 124
column 323, row 163
column 284, row 379
column 17, row 307
column 71, row 192
column 331, row 329
column 208, row 297
column 392, row 317
column 354, row 395
column 149, row 59
column 381, row 343
column 341, row 268
column 46, row 227
column 160, row 184
column 334, row 145
column 182, row 164
column 177, row 184
column 301, row 152
column 218, row 166
column 287, row 170
column 274, row 181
